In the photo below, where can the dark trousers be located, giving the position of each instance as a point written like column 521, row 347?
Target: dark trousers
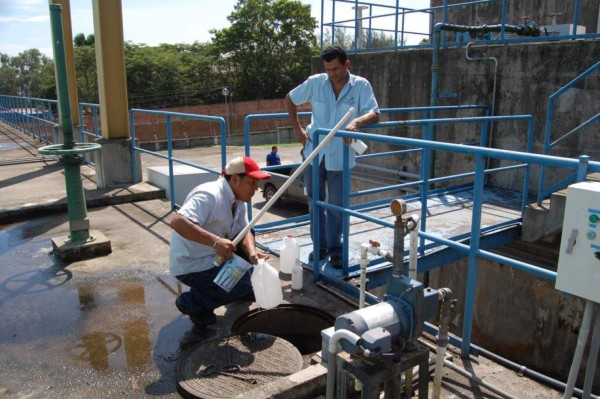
column 205, row 296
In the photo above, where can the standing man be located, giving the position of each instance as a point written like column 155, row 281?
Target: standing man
column 203, row 228
column 331, row 95
column 273, row 157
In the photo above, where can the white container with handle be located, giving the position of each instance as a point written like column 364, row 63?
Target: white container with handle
column 266, row 285
column 290, row 251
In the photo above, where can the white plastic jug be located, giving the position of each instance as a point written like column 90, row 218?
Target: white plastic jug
column 266, row 285
column 290, row 251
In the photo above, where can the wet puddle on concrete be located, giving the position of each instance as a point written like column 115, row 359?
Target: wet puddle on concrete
column 106, row 322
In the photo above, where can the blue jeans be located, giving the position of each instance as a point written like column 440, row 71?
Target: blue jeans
column 330, row 222
column 205, row 296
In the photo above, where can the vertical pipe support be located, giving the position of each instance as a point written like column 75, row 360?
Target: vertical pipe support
column 472, row 266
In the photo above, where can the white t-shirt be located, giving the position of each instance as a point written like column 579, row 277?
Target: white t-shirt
column 208, row 205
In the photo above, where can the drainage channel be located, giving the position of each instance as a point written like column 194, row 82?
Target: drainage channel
column 265, row 345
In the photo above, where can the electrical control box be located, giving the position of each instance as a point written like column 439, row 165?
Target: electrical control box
column 579, row 259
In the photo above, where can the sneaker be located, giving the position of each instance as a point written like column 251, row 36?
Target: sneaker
column 322, row 255
column 337, row 261
column 180, row 306
column 198, row 321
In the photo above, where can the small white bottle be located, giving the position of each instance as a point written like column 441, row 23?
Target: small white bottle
column 290, row 251
column 359, row 146
column 297, row 276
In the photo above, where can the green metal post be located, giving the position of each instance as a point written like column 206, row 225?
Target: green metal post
column 79, row 225
column 62, row 86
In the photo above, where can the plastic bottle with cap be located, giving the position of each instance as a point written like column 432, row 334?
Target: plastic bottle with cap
column 266, row 285
column 297, row 276
column 290, row 251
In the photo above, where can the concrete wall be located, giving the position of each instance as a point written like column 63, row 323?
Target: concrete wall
column 519, row 317
column 152, row 128
column 528, row 74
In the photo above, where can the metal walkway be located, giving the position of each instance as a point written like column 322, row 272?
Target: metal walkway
column 449, row 216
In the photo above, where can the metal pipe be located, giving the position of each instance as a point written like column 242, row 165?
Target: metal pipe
column 493, row 109
column 62, row 86
column 364, row 261
column 581, row 341
column 412, row 223
column 331, row 357
column 465, row 373
column 435, row 64
column 522, row 370
column 592, row 358
column 365, row 249
column 413, row 255
column 477, row 380
column 445, row 295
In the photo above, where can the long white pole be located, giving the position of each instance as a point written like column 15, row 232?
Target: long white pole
column 303, row 165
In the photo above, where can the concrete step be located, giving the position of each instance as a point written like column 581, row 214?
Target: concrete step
column 540, row 221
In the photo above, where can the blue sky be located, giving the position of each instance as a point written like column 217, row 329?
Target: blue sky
column 24, row 24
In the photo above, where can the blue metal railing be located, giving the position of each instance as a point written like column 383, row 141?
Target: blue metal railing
column 169, row 157
column 385, row 111
column 379, row 14
column 542, row 191
column 32, row 116
column 87, row 135
column 472, row 251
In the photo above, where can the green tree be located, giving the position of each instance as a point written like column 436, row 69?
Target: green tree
column 170, row 74
column 80, row 40
column 84, row 58
column 266, row 51
column 29, row 67
column 8, row 76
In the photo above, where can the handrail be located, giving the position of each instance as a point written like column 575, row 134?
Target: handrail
column 168, row 116
column 424, row 110
column 581, row 165
column 32, row 116
column 380, row 14
column 542, row 191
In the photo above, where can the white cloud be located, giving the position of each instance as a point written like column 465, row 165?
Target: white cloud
column 33, row 19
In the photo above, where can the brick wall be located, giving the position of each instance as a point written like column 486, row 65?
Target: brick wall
column 153, row 127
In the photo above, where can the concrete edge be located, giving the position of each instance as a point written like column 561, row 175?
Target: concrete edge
column 94, row 199
column 308, row 382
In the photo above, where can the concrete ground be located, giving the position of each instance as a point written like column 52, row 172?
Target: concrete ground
column 108, row 327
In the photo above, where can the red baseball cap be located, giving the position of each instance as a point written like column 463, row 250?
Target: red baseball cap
column 246, row 166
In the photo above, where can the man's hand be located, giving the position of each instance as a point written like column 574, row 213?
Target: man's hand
column 353, row 126
column 254, row 257
column 302, row 135
column 224, row 248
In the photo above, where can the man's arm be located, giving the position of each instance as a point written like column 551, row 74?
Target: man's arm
column 369, row 117
column 299, row 131
column 249, row 247
column 193, row 232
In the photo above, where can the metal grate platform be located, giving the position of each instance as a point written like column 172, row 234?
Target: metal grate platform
column 448, row 216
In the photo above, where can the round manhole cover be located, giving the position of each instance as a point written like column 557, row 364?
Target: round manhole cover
column 205, row 369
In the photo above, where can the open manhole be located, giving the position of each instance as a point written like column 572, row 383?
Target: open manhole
column 228, row 366
column 298, row 324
